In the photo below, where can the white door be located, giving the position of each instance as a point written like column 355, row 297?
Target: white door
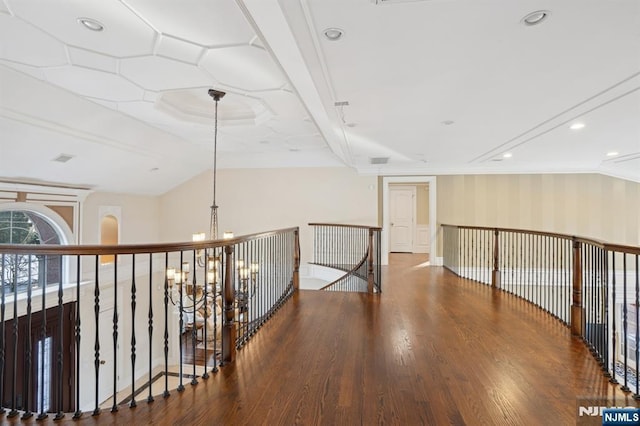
column 401, row 218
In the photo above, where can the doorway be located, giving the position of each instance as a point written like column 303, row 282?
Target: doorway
column 402, row 218
column 423, row 238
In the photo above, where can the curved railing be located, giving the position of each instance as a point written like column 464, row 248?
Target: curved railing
column 158, row 312
column 590, row 285
column 353, row 249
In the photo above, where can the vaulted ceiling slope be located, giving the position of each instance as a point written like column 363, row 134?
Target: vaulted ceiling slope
column 423, row 86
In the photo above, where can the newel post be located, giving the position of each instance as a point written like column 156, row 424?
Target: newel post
column 370, row 276
column 576, row 307
column 229, row 325
column 495, row 274
column 296, row 260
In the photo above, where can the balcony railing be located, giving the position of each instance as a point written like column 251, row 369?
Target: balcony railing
column 589, row 285
column 113, row 333
column 352, row 249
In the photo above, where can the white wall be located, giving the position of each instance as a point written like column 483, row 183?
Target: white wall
column 254, row 200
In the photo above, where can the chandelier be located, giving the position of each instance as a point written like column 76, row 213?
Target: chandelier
column 194, row 290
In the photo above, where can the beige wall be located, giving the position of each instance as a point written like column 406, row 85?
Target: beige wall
column 422, row 204
column 587, row 205
column 254, row 200
column 140, row 217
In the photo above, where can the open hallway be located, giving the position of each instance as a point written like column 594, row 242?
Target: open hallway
column 431, row 349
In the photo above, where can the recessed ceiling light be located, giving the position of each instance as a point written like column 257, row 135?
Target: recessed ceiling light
column 91, row 24
column 333, row 34
column 535, row 18
column 576, row 126
column 612, row 153
column 448, row 122
column 154, row 169
column 507, row 155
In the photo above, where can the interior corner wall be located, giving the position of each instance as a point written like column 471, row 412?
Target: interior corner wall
column 255, row 200
column 140, row 221
column 587, row 205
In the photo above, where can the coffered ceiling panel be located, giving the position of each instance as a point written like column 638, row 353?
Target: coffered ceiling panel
column 94, row 84
column 125, row 33
column 181, row 50
column 88, row 59
column 208, row 23
column 246, row 68
column 167, row 73
column 27, row 45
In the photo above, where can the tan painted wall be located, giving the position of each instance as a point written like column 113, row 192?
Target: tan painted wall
column 587, row 205
column 254, row 200
column 422, row 204
column 140, row 220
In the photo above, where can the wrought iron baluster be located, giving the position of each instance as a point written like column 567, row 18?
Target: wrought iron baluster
column 114, row 407
column 27, row 397
column 150, row 328
column 96, row 345
column 625, row 386
column 133, row 402
column 613, row 322
column 78, row 412
column 181, row 322
column 43, row 335
column 60, row 414
column 166, row 393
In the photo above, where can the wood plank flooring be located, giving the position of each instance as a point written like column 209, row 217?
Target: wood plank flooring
column 432, row 349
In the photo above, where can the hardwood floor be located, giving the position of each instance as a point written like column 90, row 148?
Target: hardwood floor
column 431, row 349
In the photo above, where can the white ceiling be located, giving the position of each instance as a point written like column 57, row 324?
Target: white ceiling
column 438, row 86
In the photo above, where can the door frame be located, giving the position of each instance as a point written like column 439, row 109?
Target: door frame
column 431, row 180
column 413, row 210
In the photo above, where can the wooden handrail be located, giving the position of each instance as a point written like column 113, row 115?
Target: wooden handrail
column 585, row 240
column 342, row 225
column 95, row 249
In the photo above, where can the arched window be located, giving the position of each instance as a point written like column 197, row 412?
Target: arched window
column 19, row 271
column 108, row 236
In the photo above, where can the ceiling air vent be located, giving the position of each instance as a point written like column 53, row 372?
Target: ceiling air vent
column 379, row 160
column 63, row 158
column 394, row 1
